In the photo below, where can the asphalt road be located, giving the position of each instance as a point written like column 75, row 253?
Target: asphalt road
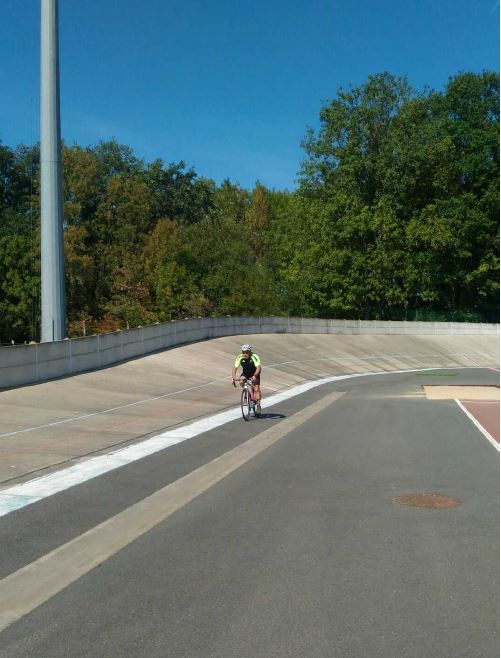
column 299, row 549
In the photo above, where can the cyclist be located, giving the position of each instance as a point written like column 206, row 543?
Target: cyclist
column 250, row 363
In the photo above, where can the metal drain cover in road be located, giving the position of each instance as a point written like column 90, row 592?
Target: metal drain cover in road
column 427, row 501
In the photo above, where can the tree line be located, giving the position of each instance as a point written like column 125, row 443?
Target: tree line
column 396, row 216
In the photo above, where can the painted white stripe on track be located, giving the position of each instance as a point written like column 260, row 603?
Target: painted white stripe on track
column 25, row 589
column 479, row 425
column 24, row 494
column 215, row 381
column 107, row 411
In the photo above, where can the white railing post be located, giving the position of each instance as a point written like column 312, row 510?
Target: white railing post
column 36, row 362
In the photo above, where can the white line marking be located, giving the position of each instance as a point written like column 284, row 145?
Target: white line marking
column 372, row 358
column 479, row 425
column 107, row 411
column 26, row 589
column 215, row 381
column 20, row 495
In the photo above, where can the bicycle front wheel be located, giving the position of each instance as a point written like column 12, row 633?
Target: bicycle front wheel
column 245, row 404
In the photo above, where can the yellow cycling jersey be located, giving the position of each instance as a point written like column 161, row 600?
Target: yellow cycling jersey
column 248, row 364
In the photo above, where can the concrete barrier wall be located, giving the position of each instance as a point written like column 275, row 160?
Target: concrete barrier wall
column 28, row 364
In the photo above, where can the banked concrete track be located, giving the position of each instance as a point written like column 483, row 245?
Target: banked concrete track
column 47, row 426
column 358, row 518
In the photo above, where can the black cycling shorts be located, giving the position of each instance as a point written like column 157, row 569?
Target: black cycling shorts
column 258, row 378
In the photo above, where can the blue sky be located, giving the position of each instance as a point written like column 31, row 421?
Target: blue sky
column 228, row 86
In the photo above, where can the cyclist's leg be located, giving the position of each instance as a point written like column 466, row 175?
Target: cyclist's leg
column 257, row 388
column 257, row 395
column 257, row 404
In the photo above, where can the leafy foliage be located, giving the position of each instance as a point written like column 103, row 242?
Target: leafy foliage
column 396, row 216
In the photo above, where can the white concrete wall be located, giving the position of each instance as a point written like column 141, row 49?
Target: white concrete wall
column 28, row 364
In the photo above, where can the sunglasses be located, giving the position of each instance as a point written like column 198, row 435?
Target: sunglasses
column 246, row 352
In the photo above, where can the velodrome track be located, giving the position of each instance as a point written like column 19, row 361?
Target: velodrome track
column 48, row 425
column 296, row 547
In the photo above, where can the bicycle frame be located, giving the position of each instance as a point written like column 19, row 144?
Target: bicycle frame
column 247, row 399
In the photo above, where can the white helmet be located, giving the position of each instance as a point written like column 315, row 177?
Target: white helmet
column 246, row 348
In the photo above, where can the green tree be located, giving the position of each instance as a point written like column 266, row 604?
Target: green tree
column 179, row 194
column 410, row 181
column 19, row 244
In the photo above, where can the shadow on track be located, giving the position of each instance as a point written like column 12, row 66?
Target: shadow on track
column 270, row 416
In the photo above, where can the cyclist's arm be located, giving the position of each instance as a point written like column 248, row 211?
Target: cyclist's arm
column 234, row 369
column 257, row 363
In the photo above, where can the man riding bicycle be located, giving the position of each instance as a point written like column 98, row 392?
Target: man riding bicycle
column 251, row 369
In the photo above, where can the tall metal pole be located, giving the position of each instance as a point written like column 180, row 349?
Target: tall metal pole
column 53, row 299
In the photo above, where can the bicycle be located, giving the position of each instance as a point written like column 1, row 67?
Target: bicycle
column 247, row 400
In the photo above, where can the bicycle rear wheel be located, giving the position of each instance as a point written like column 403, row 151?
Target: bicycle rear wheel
column 245, row 404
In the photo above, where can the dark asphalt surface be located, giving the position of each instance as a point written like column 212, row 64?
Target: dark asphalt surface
column 300, row 552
